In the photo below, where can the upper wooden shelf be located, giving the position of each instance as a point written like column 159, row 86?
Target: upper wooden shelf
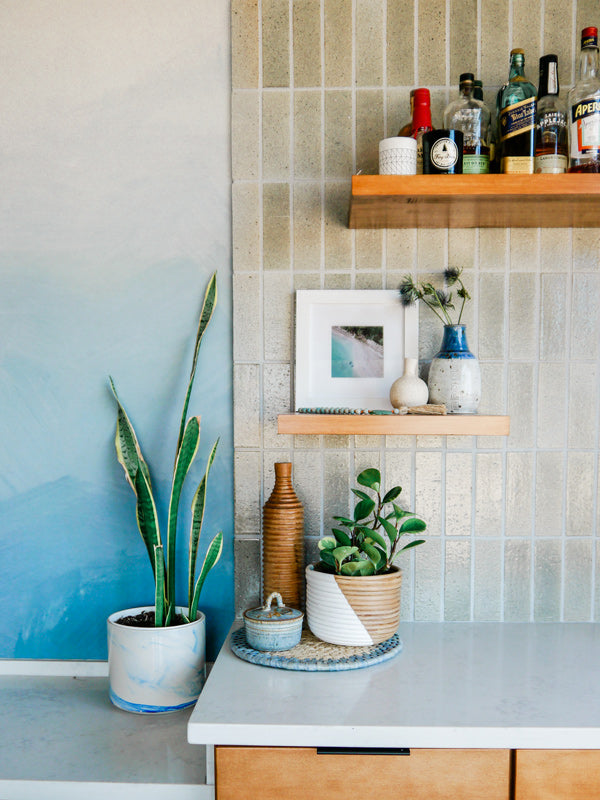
column 395, row 424
column 475, row 201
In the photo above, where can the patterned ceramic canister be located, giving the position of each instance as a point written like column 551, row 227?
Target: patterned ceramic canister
column 273, row 628
column 155, row 670
column 398, row 156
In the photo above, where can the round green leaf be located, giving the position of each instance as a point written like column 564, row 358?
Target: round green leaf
column 391, row 495
column 370, row 478
column 413, row 525
column 327, row 543
column 363, row 509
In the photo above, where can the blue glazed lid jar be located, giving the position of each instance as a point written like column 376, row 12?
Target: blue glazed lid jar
column 271, row 627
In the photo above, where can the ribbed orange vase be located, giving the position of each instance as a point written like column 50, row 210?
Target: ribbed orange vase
column 283, row 540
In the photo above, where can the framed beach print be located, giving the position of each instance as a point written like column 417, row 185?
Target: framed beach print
column 350, row 347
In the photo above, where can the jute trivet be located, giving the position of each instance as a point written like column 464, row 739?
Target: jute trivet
column 313, row 655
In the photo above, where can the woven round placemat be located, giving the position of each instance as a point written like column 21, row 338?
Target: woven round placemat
column 313, row 655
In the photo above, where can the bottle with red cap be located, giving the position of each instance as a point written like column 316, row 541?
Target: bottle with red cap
column 421, row 122
column 583, row 106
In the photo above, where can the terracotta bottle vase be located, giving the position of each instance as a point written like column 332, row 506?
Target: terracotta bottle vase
column 283, row 540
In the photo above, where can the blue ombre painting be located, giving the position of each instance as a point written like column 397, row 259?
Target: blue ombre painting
column 114, row 212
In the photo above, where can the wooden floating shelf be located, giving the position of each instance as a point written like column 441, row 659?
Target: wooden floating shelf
column 475, row 201
column 395, row 424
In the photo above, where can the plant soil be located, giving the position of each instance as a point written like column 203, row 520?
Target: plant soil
column 145, row 619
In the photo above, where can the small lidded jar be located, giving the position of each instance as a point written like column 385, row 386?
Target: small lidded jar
column 273, row 628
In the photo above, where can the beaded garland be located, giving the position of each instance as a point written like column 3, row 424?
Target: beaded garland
column 324, row 410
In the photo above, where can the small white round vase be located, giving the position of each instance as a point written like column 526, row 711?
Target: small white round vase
column 155, row 670
column 409, row 390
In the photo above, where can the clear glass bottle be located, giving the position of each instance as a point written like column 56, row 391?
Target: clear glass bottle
column 421, row 122
column 583, row 108
column 551, row 136
column 517, row 118
column 472, row 117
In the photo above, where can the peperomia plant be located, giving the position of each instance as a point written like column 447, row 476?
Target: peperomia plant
column 369, row 543
column 129, row 454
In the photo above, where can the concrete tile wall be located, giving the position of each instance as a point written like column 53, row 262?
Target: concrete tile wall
column 512, row 522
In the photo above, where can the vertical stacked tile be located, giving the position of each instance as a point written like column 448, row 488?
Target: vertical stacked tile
column 513, row 524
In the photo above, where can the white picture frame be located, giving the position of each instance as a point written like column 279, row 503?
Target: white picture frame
column 317, row 313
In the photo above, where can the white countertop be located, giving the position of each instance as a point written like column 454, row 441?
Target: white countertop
column 505, row 685
column 62, row 737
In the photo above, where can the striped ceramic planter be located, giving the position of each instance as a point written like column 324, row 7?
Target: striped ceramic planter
column 357, row 610
column 156, row 670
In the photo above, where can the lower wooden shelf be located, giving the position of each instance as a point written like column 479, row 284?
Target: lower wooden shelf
column 395, row 424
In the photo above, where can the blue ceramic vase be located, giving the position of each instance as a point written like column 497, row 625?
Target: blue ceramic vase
column 454, row 374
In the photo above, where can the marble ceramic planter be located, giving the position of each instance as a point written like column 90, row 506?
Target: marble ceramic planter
column 155, row 670
column 353, row 610
column 454, row 374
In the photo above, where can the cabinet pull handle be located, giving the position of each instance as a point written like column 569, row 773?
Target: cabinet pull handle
column 363, row 751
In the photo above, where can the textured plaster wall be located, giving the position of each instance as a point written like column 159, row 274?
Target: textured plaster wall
column 512, row 522
column 114, row 211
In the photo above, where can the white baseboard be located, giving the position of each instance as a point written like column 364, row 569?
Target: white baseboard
column 37, row 666
column 73, row 790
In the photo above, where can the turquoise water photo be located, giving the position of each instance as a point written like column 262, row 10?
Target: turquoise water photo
column 357, row 352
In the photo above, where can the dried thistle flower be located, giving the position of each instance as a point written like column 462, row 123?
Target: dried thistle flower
column 438, row 300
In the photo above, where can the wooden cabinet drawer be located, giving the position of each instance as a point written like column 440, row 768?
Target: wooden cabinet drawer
column 557, row 774
column 273, row 773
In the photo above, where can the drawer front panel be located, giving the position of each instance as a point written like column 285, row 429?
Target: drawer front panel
column 557, row 774
column 271, row 773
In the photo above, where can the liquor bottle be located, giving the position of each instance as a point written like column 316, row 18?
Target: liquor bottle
column 406, row 130
column 421, row 122
column 583, row 108
column 517, row 118
column 551, row 136
column 478, row 95
column 472, row 117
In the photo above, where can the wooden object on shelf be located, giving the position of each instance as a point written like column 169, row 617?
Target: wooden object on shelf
column 475, row 201
column 557, row 774
column 283, row 540
column 395, row 424
column 272, row 773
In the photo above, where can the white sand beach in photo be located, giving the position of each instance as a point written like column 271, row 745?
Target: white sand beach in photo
column 356, row 357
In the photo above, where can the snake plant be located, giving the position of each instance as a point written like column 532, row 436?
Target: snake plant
column 129, row 454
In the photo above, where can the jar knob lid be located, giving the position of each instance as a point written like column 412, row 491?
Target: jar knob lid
column 270, row 598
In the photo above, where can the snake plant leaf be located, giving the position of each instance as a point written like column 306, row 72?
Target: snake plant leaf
column 213, row 554
column 198, row 504
column 391, row 495
column 371, row 478
column 341, row 537
column 147, row 518
column 376, row 537
column 363, row 509
column 329, row 543
column 208, row 306
column 129, row 452
column 185, row 457
column 412, row 525
column 389, row 529
column 159, row 587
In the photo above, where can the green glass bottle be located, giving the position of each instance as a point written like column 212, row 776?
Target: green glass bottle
column 517, row 119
